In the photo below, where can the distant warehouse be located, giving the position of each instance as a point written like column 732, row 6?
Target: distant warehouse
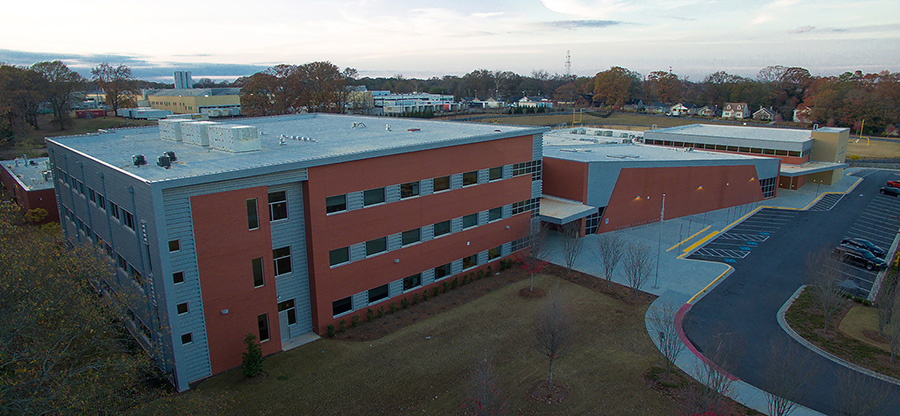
column 214, row 102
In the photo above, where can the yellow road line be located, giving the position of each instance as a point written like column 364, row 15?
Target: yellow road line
column 691, row 300
column 688, row 239
column 701, row 241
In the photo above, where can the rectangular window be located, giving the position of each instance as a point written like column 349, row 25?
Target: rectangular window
column 495, row 214
column 341, row 305
column 442, row 271
column 187, row 339
column 135, row 275
column 252, row 215
column 277, row 206
column 378, row 293
column 373, row 196
column 471, row 261
column 120, row 262
column 282, row 258
column 128, row 219
column 113, row 210
column 178, row 277
column 409, row 189
column 470, row 221
column 470, row 178
column 442, row 228
column 496, row 173
column 412, row 282
column 411, row 236
column 263, row 321
column 336, row 203
column 376, row 246
column 494, row 252
column 174, row 245
column 182, row 308
column 441, row 183
column 258, row 276
column 288, row 306
column 101, row 201
column 339, row 255
column 92, row 195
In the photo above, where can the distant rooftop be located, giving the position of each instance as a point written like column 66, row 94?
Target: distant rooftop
column 332, row 139
column 740, row 132
column 30, row 172
column 196, row 92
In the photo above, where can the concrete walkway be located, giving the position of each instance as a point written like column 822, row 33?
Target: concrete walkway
column 680, row 282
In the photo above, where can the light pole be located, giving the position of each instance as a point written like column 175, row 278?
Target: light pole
column 662, row 216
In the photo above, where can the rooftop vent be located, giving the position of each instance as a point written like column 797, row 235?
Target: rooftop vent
column 387, row 127
column 358, row 125
column 138, row 160
column 163, row 161
column 171, row 156
column 413, row 129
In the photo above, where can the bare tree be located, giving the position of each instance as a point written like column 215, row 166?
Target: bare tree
column 537, row 250
column 552, row 331
column 788, row 373
column 886, row 301
column 862, row 395
column 824, row 275
column 637, row 263
column 116, row 82
column 662, row 323
column 609, row 250
column 718, row 386
column 484, row 397
column 572, row 243
column 62, row 83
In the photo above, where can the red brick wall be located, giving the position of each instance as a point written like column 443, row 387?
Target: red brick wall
column 565, row 179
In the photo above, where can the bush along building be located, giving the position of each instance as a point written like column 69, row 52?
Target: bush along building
column 281, row 226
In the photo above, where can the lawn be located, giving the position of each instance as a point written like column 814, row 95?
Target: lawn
column 424, row 368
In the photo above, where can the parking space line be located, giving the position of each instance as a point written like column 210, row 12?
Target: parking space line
column 688, row 239
column 701, row 241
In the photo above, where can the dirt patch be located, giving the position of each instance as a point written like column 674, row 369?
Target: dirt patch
column 256, row 380
column 528, row 293
column 543, row 392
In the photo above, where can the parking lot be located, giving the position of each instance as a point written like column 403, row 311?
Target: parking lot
column 740, row 241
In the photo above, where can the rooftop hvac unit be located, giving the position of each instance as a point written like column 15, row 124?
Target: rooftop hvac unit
column 46, row 175
column 138, row 160
column 170, row 129
column 171, row 155
column 234, row 139
column 163, row 161
column 196, row 132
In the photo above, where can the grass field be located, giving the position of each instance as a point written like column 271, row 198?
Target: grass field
column 32, row 143
column 424, row 368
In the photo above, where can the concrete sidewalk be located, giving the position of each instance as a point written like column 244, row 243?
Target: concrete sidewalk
column 680, row 282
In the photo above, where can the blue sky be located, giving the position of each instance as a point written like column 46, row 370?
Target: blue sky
column 431, row 38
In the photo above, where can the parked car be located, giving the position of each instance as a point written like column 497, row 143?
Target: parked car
column 895, row 184
column 860, row 257
column 865, row 244
column 890, row 190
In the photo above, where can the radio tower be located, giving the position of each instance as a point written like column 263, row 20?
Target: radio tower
column 568, row 65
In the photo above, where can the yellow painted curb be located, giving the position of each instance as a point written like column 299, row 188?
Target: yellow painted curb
column 701, row 241
column 688, row 239
column 691, row 300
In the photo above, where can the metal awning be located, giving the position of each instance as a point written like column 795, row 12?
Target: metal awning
column 561, row 211
column 809, row 168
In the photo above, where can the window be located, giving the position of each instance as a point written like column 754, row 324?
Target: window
column 182, row 308
column 282, row 258
column 442, row 271
column 341, row 305
column 263, row 321
column 277, row 206
column 441, row 183
column 409, row 189
column 532, row 205
column 376, row 246
column 470, row 178
column 178, row 277
column 471, row 261
column 101, row 201
column 174, row 245
column 258, row 276
column 288, row 306
column 113, row 210
column 378, row 293
column 373, row 196
column 335, row 203
column 412, row 282
column 494, row 253
column 120, row 262
column 442, row 228
column 187, row 339
column 135, row 275
column 495, row 214
column 339, row 255
column 92, row 195
column 470, row 221
column 411, row 236
column 252, row 215
column 533, row 167
column 495, row 173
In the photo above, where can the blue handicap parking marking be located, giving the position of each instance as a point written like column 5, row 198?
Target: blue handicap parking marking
column 751, row 243
column 727, row 260
column 764, row 233
column 745, row 248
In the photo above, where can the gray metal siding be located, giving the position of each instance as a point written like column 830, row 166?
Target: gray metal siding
column 291, row 232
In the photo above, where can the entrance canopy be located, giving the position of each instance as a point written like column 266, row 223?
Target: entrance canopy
column 562, row 211
column 809, row 168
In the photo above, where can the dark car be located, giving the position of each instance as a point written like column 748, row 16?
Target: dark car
column 860, row 257
column 890, row 190
column 894, row 184
column 865, row 244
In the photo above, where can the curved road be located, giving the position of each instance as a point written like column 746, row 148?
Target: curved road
column 745, row 305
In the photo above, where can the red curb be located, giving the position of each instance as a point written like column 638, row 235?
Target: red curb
column 678, row 327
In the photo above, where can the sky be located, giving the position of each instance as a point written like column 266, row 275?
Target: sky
column 424, row 38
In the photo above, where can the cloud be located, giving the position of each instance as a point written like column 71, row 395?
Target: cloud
column 581, row 24
column 802, row 29
column 585, row 8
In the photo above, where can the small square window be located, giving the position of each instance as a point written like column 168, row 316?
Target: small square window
column 441, row 183
column 187, row 338
column 470, row 261
column 373, row 196
column 335, row 203
column 496, row 173
column 495, row 214
column 278, row 206
column 339, row 255
column 341, row 305
column 376, row 246
column 282, row 259
column 441, row 228
column 252, row 215
column 409, row 189
column 412, row 282
column 470, row 178
column 378, row 293
column 182, row 308
column 411, row 236
column 178, row 277
column 494, row 252
column 470, row 221
column 174, row 245
column 442, row 271
column 258, row 276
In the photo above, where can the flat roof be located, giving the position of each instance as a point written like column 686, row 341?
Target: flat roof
column 589, row 135
column 561, row 211
column 30, row 172
column 810, row 168
column 333, row 140
column 195, row 92
column 740, row 132
column 632, row 152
